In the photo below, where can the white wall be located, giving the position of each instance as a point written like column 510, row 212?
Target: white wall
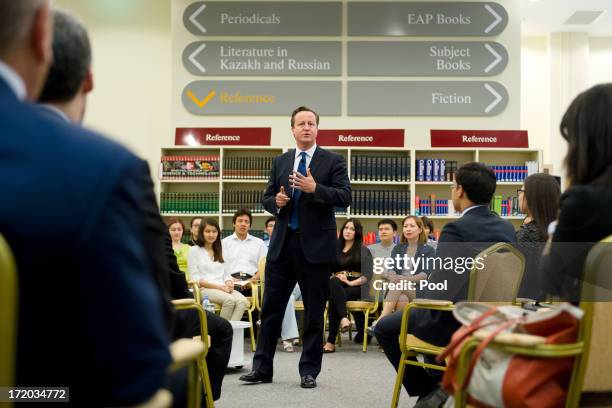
column 132, row 72
column 600, row 64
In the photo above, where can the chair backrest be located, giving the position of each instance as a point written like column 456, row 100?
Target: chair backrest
column 8, row 314
column 500, row 278
column 593, row 368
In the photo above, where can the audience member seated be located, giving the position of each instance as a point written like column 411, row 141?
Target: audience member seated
column 76, row 235
column 176, row 229
column 387, row 228
column 187, row 325
column 584, row 216
column 476, row 229
column 412, row 245
column 193, row 232
column 243, row 252
column 269, row 226
column 211, row 271
column 347, row 283
column 428, row 225
column 539, row 200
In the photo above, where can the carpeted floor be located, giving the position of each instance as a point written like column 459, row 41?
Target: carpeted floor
column 349, row 378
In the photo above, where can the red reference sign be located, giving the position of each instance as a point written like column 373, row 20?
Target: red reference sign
column 361, row 137
column 479, row 138
column 222, row 136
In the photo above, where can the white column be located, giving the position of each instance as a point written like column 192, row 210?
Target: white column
column 569, row 75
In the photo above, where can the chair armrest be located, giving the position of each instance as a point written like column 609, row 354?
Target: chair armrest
column 184, row 351
column 431, row 304
column 513, row 339
column 183, row 302
column 426, row 303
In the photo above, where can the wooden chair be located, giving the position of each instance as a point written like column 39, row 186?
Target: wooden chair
column 591, row 351
column 486, row 284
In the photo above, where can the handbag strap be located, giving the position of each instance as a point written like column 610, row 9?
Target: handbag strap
column 483, row 344
column 465, row 332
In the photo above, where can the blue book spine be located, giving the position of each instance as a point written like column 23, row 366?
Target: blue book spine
column 436, row 170
column 428, row 169
column 442, row 174
column 420, row 170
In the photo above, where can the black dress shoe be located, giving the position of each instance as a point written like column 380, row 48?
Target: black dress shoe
column 308, row 381
column 255, row 377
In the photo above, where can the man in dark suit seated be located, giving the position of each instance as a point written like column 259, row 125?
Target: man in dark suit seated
column 305, row 185
column 91, row 317
column 477, row 229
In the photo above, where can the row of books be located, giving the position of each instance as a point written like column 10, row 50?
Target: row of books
column 189, row 167
column 506, row 207
column 432, row 206
column 436, row 169
column 234, row 200
column 380, row 202
column 515, row 173
column 203, row 203
column 380, row 168
column 247, row 167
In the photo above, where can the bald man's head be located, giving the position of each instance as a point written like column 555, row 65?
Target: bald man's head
column 26, row 35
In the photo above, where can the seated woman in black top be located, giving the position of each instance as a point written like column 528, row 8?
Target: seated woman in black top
column 347, row 283
column 584, row 216
column 539, row 200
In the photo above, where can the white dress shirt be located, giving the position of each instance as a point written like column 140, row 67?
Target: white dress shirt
column 201, row 267
column 471, row 208
column 243, row 256
column 13, row 80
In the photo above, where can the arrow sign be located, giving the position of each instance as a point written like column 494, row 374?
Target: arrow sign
column 426, row 58
column 192, row 57
column 498, row 18
column 275, row 18
column 426, row 98
column 431, row 19
column 193, row 17
column 264, row 58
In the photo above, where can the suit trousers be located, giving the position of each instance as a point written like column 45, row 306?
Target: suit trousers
column 417, row 381
column 281, row 276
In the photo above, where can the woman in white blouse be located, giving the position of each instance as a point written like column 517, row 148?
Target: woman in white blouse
column 206, row 266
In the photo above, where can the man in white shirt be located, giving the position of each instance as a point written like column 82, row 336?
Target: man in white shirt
column 243, row 251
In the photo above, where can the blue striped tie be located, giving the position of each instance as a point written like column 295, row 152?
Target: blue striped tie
column 294, row 224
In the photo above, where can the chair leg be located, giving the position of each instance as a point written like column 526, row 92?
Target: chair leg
column 192, row 387
column 398, row 381
column 206, row 383
column 251, row 330
column 350, row 333
column 365, row 330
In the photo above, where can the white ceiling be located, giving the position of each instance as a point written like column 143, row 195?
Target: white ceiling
column 547, row 16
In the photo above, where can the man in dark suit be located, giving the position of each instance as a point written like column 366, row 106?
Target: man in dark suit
column 477, row 229
column 90, row 315
column 305, row 185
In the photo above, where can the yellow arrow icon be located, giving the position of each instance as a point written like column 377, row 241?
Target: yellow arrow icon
column 202, row 102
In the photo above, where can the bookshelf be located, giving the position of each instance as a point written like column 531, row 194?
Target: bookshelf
column 384, row 181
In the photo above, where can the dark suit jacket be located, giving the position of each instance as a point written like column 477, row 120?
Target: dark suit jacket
column 316, row 210
column 478, row 229
column 90, row 315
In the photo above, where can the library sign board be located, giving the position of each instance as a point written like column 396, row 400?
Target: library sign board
column 260, row 58
column 361, row 137
column 261, row 97
column 426, row 98
column 222, row 136
column 426, row 58
column 479, row 138
column 270, row 18
column 430, row 18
